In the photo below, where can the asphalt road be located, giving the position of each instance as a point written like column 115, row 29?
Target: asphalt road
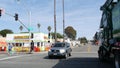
column 82, row 57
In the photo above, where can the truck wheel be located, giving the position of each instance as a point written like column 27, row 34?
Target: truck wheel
column 101, row 55
column 49, row 57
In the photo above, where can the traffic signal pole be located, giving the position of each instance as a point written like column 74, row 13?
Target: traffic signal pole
column 18, row 20
column 23, row 24
column 29, row 14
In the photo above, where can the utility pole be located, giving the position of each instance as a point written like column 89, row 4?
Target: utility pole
column 63, row 22
column 55, row 20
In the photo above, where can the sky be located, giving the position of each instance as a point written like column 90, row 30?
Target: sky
column 83, row 15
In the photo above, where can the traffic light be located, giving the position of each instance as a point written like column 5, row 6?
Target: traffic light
column 16, row 17
column 49, row 35
column 0, row 12
column 32, row 35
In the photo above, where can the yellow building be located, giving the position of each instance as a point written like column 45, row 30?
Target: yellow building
column 23, row 40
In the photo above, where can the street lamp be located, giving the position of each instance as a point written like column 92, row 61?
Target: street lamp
column 29, row 13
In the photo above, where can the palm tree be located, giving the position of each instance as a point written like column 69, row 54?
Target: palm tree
column 38, row 25
column 49, row 29
column 21, row 28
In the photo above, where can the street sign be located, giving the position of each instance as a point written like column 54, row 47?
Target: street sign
column 30, row 28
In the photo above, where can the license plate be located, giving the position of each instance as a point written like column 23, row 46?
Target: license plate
column 55, row 54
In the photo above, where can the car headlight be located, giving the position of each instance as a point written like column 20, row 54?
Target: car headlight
column 49, row 50
column 62, row 51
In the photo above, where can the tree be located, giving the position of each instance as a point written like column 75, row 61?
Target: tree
column 38, row 25
column 58, row 35
column 21, row 28
column 5, row 31
column 83, row 40
column 70, row 32
column 49, row 28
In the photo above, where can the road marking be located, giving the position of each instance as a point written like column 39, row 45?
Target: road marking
column 84, row 52
column 88, row 48
column 11, row 57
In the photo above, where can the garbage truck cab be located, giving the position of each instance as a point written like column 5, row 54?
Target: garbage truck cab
column 109, row 31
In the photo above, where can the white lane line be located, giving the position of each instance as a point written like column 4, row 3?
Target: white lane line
column 11, row 57
column 84, row 52
column 6, row 58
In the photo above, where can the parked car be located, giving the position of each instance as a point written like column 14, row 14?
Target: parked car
column 61, row 49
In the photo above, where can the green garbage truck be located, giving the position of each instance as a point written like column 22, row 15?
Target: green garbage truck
column 109, row 34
